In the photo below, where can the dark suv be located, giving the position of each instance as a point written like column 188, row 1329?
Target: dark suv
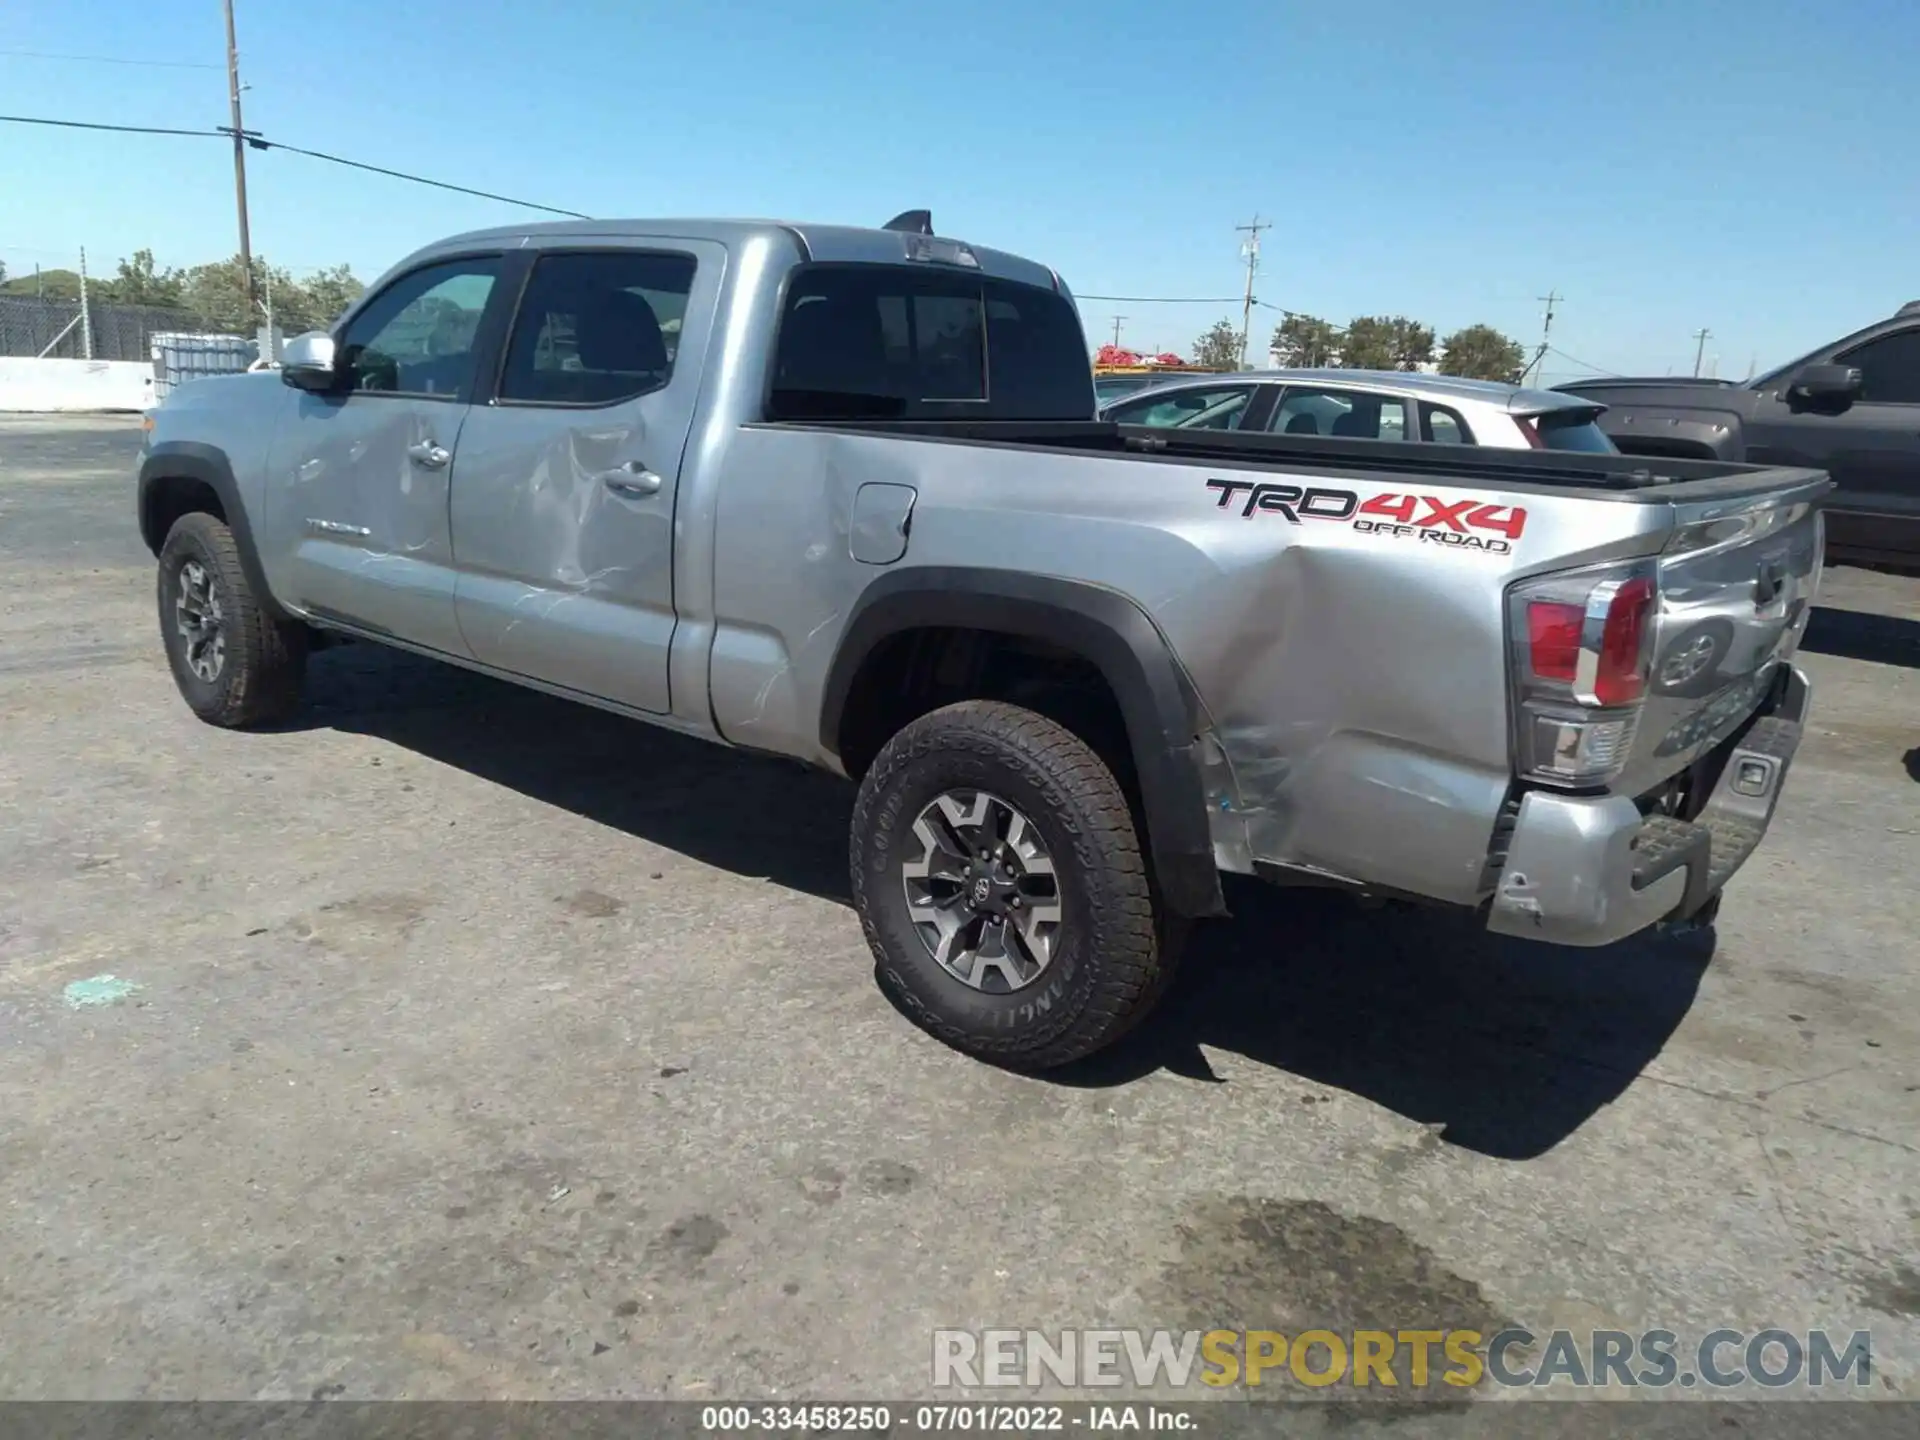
column 1851, row 408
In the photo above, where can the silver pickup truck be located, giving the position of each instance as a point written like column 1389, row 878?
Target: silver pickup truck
column 836, row 494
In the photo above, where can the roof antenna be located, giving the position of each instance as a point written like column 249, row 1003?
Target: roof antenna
column 914, row 222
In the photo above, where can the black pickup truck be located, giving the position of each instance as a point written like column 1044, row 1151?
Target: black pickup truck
column 1851, row 408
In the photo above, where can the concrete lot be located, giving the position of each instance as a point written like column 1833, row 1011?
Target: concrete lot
column 484, row 1046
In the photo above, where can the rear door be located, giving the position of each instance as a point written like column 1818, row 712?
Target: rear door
column 563, row 497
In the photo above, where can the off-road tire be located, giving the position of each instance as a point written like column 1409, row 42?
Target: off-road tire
column 265, row 658
column 1114, row 957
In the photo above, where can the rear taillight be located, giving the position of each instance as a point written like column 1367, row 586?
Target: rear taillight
column 1582, row 649
column 1625, row 655
column 1553, row 638
column 1530, row 432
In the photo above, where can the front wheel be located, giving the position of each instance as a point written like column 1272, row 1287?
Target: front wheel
column 1002, row 888
column 235, row 664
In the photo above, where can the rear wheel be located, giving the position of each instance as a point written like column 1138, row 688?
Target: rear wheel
column 1002, row 888
column 234, row 663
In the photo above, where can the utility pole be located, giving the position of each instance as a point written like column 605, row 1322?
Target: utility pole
column 1702, row 335
column 86, row 315
column 240, row 161
column 269, row 348
column 1116, row 330
column 1251, row 249
column 1550, row 299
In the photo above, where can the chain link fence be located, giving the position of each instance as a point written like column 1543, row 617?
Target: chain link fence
column 33, row 325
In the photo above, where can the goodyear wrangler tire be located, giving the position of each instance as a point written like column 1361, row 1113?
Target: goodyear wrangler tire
column 1002, row 887
column 234, row 663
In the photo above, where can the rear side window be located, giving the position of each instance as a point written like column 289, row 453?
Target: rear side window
column 1352, row 414
column 889, row 342
column 1572, row 430
column 596, row 328
column 1441, row 426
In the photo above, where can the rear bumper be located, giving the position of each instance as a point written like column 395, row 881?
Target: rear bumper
column 1590, row 871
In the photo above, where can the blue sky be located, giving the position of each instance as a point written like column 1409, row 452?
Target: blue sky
column 1663, row 164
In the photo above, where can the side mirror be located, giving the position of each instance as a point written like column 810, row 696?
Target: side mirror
column 1826, row 384
column 307, row 362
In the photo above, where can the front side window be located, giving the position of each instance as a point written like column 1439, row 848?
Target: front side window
column 417, row 336
column 1209, row 409
column 1889, row 368
column 894, row 342
column 596, row 328
column 1351, row 414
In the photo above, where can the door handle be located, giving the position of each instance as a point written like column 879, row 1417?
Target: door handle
column 429, row 455
column 633, row 479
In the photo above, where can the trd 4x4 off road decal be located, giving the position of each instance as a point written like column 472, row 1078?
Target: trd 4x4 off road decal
column 1463, row 524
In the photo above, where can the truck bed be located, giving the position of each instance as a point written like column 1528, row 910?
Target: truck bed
column 1615, row 477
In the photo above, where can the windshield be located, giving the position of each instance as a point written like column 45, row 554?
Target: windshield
column 1186, row 409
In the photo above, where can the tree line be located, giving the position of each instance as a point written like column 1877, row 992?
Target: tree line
column 1374, row 342
column 214, row 294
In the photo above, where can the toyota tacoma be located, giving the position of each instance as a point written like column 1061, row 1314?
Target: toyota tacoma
column 834, row 494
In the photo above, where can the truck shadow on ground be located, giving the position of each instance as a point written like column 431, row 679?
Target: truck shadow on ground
column 1861, row 635
column 1503, row 1047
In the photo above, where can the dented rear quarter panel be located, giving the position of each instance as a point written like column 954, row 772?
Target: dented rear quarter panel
column 1354, row 682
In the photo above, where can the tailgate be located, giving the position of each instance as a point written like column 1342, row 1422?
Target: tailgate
column 1736, row 588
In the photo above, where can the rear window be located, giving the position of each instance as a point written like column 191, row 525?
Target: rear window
column 892, row 342
column 1442, row 426
column 1573, row 430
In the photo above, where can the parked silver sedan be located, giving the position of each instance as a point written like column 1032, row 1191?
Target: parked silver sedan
column 1371, row 405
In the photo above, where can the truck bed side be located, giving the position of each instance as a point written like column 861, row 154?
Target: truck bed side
column 1348, row 650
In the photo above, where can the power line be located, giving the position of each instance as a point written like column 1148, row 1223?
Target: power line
column 110, row 60
column 1702, row 335
column 95, row 125
column 1576, row 360
column 258, row 142
column 1165, row 299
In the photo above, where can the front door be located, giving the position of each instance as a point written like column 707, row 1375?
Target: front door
column 361, row 506
column 1871, row 448
column 563, row 497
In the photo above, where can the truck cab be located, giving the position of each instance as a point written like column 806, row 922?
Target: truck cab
column 1850, row 408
